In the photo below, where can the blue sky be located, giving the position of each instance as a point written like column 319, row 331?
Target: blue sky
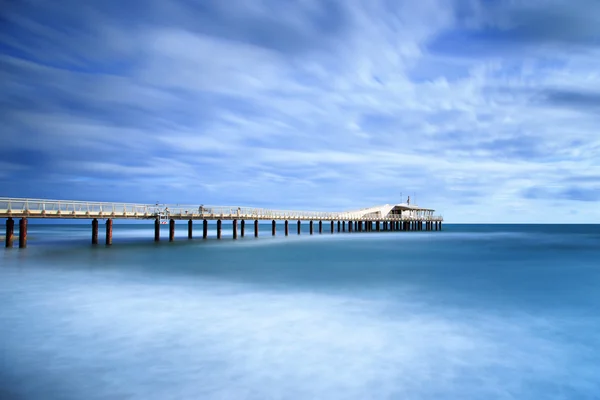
column 488, row 111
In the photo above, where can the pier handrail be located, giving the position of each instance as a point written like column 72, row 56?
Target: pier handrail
column 63, row 208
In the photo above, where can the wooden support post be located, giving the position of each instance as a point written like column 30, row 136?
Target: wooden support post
column 204, row 229
column 255, row 228
column 356, row 226
column 219, row 223
column 360, row 226
column 190, row 229
column 287, row 227
column 109, row 224
column 234, row 228
column 10, row 232
column 343, row 226
column 332, row 226
column 298, row 227
column 311, row 227
column 378, row 226
column 273, row 227
column 171, row 230
column 95, row 231
column 339, row 226
column 320, row 226
column 242, row 228
column 440, row 225
column 350, row 224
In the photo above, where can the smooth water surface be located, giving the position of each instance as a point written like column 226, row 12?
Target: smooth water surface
column 473, row 312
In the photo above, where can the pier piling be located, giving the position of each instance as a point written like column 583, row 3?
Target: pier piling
column 219, row 223
column 171, row 230
column 287, row 227
column 339, row 224
column 320, row 226
column 95, row 231
column 311, row 227
column 10, row 232
column 234, row 228
column 109, row 225
column 204, row 229
column 343, row 226
column 255, row 228
column 156, row 230
column 273, row 227
column 331, row 226
column 242, row 228
column 190, row 229
column 298, row 227
column 23, row 233
column 350, row 226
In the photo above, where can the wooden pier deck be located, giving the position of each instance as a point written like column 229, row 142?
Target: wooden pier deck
column 397, row 217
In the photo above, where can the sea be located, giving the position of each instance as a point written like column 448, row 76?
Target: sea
column 471, row 312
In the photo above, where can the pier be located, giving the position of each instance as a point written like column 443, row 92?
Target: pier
column 389, row 217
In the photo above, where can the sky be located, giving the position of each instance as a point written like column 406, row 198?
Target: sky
column 487, row 111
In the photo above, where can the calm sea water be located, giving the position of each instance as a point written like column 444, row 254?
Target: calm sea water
column 473, row 312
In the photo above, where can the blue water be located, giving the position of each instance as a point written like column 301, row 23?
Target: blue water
column 473, row 312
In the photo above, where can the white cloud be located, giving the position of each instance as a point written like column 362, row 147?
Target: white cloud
column 346, row 110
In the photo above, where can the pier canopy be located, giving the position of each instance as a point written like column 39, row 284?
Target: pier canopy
column 403, row 210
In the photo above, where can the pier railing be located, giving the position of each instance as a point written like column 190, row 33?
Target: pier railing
column 72, row 209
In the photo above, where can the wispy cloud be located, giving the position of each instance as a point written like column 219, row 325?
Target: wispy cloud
column 485, row 110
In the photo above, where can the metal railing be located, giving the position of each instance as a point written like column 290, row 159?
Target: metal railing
column 43, row 208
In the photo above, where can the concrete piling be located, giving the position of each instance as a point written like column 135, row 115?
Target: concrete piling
column 298, row 227
column 10, row 232
column 204, row 229
column 273, row 227
column 320, row 226
column 343, row 226
column 234, row 228
column 311, row 227
column 339, row 224
column 242, row 228
column 219, row 223
column 255, row 228
column 95, row 231
column 360, row 226
column 109, row 224
column 287, row 227
column 331, row 226
column 190, row 229
column 350, row 224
